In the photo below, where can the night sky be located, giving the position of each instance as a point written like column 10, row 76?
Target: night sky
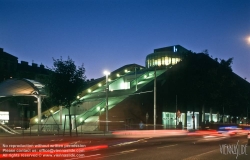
column 108, row 34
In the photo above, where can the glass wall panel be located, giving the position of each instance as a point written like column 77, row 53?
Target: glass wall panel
column 166, row 61
column 214, row 117
column 173, row 61
column 169, row 119
column 190, row 120
column 169, row 60
column 159, row 62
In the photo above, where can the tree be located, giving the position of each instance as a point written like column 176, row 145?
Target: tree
column 65, row 82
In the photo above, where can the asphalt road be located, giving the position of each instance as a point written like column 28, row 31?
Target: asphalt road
column 126, row 147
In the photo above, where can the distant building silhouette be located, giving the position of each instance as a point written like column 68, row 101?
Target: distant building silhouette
column 10, row 68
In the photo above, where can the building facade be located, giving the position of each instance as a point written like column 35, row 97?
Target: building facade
column 166, row 56
column 130, row 94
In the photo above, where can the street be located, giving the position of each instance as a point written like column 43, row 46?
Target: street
column 127, row 146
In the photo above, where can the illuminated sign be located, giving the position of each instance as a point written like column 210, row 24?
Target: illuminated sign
column 175, row 49
column 4, row 115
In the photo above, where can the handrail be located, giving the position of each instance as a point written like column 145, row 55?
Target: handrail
column 89, row 112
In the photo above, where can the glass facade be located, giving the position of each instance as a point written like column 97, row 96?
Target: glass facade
column 208, row 117
column 169, row 119
column 192, row 122
column 165, row 56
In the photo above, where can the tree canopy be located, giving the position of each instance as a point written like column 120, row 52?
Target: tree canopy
column 65, row 82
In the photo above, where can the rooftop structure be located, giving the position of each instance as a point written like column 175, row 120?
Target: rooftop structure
column 166, row 56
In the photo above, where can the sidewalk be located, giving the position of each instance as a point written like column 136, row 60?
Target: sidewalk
column 27, row 133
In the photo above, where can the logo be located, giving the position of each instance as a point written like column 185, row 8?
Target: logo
column 175, row 49
column 233, row 149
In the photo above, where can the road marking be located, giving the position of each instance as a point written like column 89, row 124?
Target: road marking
column 119, row 153
column 125, row 143
column 168, row 146
column 195, row 156
column 56, row 140
column 116, row 154
column 128, row 151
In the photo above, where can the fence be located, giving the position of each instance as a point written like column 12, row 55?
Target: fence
column 25, row 128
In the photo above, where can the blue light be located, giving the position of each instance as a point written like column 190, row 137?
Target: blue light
column 175, row 49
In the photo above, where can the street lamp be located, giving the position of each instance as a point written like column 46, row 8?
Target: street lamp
column 107, row 88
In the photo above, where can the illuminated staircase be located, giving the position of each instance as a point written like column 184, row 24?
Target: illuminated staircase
column 92, row 100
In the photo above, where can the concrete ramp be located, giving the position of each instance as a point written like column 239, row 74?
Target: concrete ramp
column 7, row 129
column 90, row 124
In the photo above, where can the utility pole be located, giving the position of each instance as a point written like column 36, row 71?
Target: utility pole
column 107, row 103
column 176, row 111
column 193, row 120
column 155, row 100
column 147, row 120
column 247, row 116
column 135, row 80
column 107, row 90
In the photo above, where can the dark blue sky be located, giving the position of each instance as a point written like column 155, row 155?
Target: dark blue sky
column 107, row 34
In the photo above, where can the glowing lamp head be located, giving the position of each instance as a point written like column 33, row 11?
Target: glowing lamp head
column 247, row 40
column 106, row 73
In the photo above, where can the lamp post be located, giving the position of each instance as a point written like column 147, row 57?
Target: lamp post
column 147, row 120
column 247, row 121
column 135, row 79
column 107, row 88
column 155, row 99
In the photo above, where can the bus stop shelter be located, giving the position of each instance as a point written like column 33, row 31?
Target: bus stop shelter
column 24, row 87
